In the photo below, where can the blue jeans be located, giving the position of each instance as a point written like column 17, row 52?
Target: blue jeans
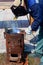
column 39, row 47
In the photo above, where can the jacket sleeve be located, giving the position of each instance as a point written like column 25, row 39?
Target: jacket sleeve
column 36, row 14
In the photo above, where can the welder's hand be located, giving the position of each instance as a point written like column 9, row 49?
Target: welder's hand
column 36, row 32
column 28, row 30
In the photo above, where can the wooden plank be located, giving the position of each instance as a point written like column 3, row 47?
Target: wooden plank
column 5, row 5
column 6, row 0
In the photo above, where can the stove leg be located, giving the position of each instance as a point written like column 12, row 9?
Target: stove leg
column 8, row 58
column 26, row 60
column 19, row 57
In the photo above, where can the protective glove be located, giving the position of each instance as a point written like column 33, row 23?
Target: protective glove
column 28, row 30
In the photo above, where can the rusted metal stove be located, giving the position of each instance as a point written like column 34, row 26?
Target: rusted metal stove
column 14, row 45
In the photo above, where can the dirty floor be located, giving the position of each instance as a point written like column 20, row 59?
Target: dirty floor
column 32, row 60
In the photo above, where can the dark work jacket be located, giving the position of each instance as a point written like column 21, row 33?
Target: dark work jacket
column 35, row 12
column 41, row 6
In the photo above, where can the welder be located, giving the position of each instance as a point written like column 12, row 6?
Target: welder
column 39, row 48
column 36, row 11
